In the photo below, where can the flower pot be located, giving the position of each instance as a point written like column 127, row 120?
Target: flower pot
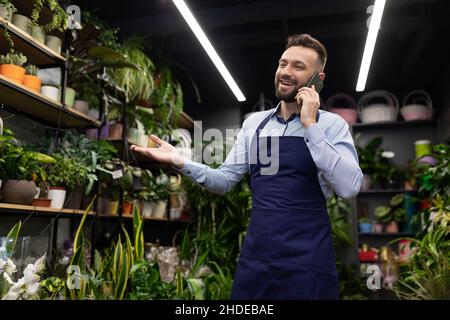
column 13, row 72
column 142, row 139
column 32, row 82
column 367, row 181
column 21, row 22
column 159, row 210
column 6, row 13
column 94, row 114
column 151, row 143
column 54, row 43
column 91, row 133
column 69, row 97
column 133, row 135
column 81, row 106
column 51, row 92
column 112, row 207
column 42, row 202
column 422, row 148
column 146, row 208
column 365, row 227
column 18, row 191
column 392, row 227
column 115, row 131
column 38, row 34
column 127, row 208
column 104, row 132
column 378, row 228
column 58, row 197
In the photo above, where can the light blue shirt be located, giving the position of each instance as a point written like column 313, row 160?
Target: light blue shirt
column 329, row 142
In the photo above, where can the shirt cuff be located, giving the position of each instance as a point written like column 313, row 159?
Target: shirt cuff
column 314, row 134
column 190, row 168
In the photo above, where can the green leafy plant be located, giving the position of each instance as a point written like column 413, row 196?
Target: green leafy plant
column 31, row 70
column 338, row 210
column 393, row 212
column 59, row 16
column 17, row 59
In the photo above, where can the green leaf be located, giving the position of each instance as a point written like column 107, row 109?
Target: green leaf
column 11, row 238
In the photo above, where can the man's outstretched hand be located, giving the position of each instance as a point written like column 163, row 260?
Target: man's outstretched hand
column 165, row 153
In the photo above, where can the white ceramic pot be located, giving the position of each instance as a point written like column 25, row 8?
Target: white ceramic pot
column 159, row 210
column 142, row 139
column 22, row 22
column 51, row 92
column 54, row 43
column 5, row 13
column 146, row 208
column 58, row 196
column 81, row 106
column 38, row 34
column 94, row 114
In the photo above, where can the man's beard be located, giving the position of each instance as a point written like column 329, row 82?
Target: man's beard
column 286, row 97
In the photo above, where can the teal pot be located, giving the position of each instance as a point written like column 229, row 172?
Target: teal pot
column 69, row 97
column 38, row 34
column 18, row 191
column 6, row 13
column 53, row 43
column 81, row 106
column 365, row 227
column 133, row 134
column 22, row 22
column 411, row 210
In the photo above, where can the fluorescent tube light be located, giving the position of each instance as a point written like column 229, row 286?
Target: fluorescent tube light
column 206, row 44
column 375, row 23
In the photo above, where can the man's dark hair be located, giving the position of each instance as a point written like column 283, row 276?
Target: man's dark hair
column 305, row 40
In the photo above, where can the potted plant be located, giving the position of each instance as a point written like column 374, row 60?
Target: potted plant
column 11, row 66
column 115, row 127
column 31, row 80
column 52, row 92
column 393, row 214
column 22, row 22
column 161, row 196
column 19, row 169
column 365, row 225
column 62, row 175
column 59, row 16
column 7, row 9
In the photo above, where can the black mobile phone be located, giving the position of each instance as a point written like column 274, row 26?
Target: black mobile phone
column 315, row 80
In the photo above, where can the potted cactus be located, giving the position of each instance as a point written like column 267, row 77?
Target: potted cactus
column 11, row 66
column 7, row 9
column 31, row 80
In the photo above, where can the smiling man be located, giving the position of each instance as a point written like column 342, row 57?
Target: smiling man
column 287, row 253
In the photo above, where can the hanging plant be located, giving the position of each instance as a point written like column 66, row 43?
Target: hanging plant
column 59, row 16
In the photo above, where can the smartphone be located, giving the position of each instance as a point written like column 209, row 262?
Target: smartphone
column 315, row 80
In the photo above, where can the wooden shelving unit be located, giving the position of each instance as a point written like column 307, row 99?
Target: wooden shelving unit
column 41, row 108
column 7, row 208
column 36, row 52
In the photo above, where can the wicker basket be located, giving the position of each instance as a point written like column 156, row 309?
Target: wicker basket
column 370, row 113
column 348, row 112
column 416, row 111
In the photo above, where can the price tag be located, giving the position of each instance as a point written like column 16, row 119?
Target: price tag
column 117, row 174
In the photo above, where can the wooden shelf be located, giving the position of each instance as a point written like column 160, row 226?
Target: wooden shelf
column 41, row 108
column 36, row 52
column 131, row 217
column 53, row 212
column 394, row 124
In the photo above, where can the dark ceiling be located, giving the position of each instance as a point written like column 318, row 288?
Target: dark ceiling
column 250, row 36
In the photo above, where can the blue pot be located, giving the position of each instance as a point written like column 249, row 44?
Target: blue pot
column 365, row 227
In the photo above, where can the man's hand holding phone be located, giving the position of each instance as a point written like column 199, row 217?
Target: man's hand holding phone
column 308, row 101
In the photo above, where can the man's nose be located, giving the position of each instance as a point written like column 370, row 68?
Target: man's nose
column 286, row 71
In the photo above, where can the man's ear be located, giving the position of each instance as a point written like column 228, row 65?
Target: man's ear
column 321, row 76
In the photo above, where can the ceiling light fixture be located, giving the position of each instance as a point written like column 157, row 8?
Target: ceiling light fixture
column 206, row 44
column 375, row 23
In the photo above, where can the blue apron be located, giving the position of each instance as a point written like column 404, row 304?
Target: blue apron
column 287, row 252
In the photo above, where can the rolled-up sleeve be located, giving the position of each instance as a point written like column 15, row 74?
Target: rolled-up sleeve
column 335, row 156
column 227, row 175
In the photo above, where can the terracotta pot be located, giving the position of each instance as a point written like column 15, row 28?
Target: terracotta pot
column 127, row 208
column 18, row 191
column 13, row 72
column 42, row 202
column 32, row 82
column 115, row 131
column 392, row 227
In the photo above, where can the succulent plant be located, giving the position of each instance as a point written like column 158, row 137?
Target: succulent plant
column 31, row 70
column 13, row 58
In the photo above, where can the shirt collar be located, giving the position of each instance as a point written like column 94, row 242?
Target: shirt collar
column 292, row 117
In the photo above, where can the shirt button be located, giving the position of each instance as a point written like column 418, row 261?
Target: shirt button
column 307, row 140
column 188, row 172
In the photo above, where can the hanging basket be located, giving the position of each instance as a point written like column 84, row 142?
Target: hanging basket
column 346, row 110
column 379, row 112
column 417, row 111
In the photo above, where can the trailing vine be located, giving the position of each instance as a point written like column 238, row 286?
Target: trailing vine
column 59, row 16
